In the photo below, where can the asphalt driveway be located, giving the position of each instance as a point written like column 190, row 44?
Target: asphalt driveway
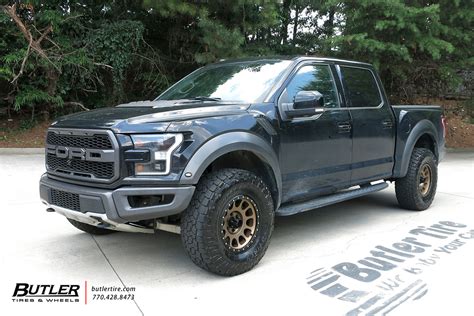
column 319, row 263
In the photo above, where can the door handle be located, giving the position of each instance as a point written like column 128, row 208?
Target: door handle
column 387, row 124
column 344, row 127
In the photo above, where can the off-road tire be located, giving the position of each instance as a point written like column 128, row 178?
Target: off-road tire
column 93, row 230
column 407, row 189
column 201, row 222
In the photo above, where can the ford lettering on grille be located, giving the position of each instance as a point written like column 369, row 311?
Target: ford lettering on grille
column 82, row 154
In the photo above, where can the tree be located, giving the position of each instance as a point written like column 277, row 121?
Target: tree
column 60, row 56
column 402, row 39
column 55, row 55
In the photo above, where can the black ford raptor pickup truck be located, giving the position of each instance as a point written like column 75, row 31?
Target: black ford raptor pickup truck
column 232, row 145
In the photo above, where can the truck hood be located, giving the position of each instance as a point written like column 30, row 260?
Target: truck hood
column 147, row 116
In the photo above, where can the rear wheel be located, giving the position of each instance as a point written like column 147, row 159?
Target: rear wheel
column 417, row 189
column 227, row 227
column 93, row 230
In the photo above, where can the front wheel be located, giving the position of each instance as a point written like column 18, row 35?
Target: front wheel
column 227, row 227
column 417, row 189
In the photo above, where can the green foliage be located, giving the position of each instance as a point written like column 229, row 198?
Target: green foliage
column 26, row 125
column 403, row 39
column 100, row 53
column 115, row 44
column 468, row 106
column 30, row 96
column 218, row 42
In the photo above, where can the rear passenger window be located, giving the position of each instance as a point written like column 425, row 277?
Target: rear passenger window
column 361, row 88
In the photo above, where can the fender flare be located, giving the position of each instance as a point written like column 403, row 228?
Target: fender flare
column 229, row 142
column 403, row 158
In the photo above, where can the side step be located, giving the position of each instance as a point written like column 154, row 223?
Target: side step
column 329, row 199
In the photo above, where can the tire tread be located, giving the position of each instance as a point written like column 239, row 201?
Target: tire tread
column 405, row 188
column 197, row 231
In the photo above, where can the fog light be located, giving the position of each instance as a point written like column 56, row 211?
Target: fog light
column 149, row 200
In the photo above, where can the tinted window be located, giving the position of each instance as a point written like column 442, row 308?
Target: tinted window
column 314, row 78
column 361, row 87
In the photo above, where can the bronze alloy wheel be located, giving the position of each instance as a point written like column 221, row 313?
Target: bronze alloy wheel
column 228, row 226
column 239, row 224
column 416, row 190
column 425, row 180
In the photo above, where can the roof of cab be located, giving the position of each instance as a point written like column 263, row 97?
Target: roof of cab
column 295, row 59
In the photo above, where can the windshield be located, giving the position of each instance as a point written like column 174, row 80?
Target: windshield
column 246, row 82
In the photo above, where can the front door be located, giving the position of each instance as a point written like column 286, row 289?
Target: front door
column 315, row 152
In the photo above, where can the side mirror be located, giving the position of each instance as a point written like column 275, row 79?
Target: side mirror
column 308, row 100
column 306, row 103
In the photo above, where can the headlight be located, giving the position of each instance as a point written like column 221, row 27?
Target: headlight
column 162, row 147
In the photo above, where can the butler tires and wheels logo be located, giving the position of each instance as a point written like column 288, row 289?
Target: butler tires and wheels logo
column 46, row 293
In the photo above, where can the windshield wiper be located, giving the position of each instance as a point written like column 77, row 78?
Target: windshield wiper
column 203, row 98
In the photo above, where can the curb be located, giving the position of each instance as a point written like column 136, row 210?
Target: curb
column 459, row 150
column 21, row 151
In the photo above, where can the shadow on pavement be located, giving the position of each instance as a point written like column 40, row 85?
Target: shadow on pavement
column 161, row 256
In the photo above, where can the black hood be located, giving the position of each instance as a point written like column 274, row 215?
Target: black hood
column 147, row 116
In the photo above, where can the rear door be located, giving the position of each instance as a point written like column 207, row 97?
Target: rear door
column 373, row 124
column 315, row 152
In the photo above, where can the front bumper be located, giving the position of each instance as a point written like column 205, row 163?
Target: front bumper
column 113, row 205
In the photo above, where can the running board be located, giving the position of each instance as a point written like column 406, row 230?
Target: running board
column 329, row 199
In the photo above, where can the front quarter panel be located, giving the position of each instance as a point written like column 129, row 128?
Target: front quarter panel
column 226, row 143
column 211, row 138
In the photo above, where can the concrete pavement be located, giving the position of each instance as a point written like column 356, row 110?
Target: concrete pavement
column 313, row 264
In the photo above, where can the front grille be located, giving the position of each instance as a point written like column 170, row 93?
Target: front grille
column 96, row 141
column 81, row 168
column 66, row 200
column 89, row 155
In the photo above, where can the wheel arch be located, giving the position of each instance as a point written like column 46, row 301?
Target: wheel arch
column 236, row 150
column 423, row 135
